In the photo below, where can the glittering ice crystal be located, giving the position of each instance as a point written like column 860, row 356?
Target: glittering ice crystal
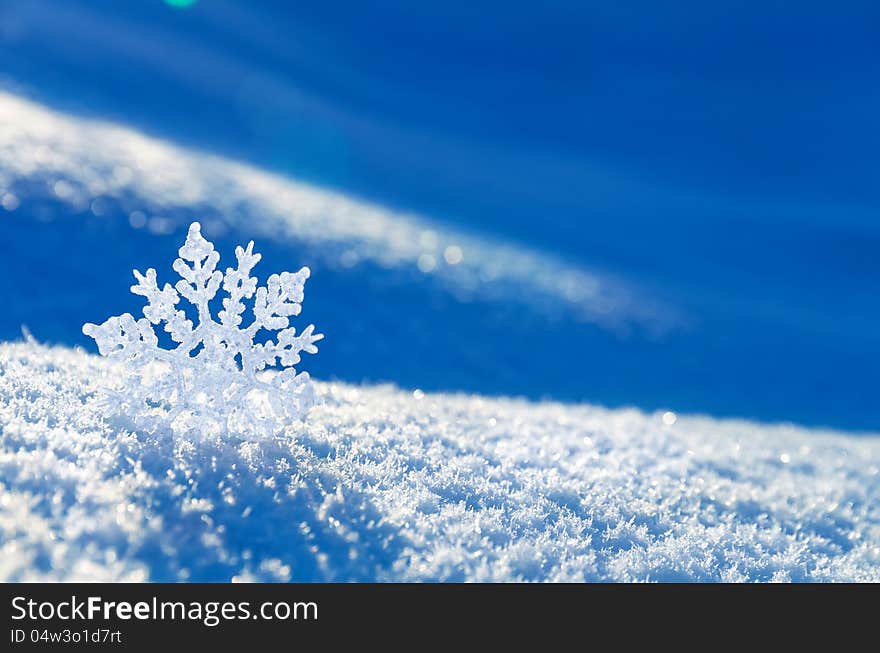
column 215, row 380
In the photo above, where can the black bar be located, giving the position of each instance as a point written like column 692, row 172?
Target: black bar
column 450, row 614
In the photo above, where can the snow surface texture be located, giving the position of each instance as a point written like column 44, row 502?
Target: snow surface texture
column 208, row 382
column 89, row 162
column 380, row 484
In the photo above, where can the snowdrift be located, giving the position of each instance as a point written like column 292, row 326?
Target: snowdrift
column 380, row 484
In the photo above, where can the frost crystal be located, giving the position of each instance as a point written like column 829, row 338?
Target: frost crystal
column 215, row 380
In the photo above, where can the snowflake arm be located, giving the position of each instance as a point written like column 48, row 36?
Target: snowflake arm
column 290, row 345
column 161, row 306
column 122, row 337
column 200, row 279
column 240, row 285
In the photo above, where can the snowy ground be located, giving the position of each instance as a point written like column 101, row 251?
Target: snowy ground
column 381, row 484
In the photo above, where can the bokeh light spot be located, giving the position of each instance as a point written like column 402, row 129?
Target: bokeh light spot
column 453, row 255
column 180, row 4
column 426, row 263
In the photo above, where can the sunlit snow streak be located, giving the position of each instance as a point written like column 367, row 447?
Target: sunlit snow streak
column 93, row 166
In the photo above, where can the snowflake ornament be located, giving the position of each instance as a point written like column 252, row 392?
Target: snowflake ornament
column 215, row 381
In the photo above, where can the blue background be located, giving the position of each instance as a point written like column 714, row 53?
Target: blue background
column 722, row 156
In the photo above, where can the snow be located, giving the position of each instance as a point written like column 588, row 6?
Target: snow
column 210, row 376
column 382, row 484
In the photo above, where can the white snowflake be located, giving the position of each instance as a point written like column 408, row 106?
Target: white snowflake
column 215, row 380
